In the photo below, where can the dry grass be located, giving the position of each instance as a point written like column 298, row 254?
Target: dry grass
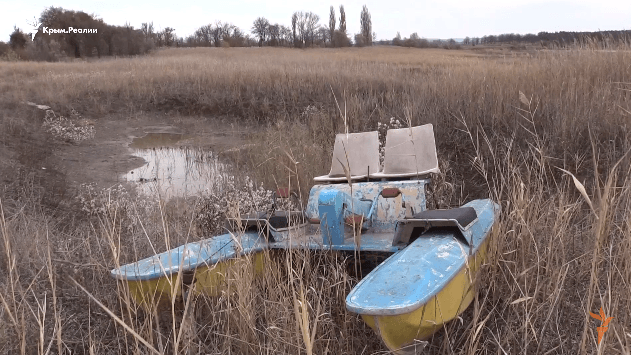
column 553, row 259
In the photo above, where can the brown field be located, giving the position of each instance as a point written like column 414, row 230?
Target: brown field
column 555, row 257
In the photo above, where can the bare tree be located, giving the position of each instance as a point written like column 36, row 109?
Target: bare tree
column 169, row 36
column 323, row 35
column 279, row 35
column 342, row 19
column 366, row 26
column 159, row 40
column 331, row 24
column 397, row 41
column 220, row 31
column 306, row 26
column 274, row 34
column 299, row 25
column 286, row 35
column 294, row 20
column 216, row 34
column 311, row 26
column 261, row 29
column 147, row 30
column 234, row 37
column 204, row 35
column 302, row 28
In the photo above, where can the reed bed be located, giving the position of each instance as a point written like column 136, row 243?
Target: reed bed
column 506, row 128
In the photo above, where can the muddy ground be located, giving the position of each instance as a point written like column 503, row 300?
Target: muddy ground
column 28, row 153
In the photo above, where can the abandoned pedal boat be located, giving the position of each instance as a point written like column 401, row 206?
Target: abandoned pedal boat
column 428, row 279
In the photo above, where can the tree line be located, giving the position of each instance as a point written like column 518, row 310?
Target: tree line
column 305, row 30
column 559, row 39
column 417, row 41
column 108, row 40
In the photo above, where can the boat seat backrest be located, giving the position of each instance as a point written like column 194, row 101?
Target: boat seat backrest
column 358, row 152
column 410, row 152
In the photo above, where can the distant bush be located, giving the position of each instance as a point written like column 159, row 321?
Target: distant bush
column 9, row 56
column 360, row 40
column 451, row 44
column 41, row 50
column 4, row 49
column 414, row 41
column 340, row 39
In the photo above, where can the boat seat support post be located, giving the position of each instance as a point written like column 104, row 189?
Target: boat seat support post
column 331, row 211
column 333, row 207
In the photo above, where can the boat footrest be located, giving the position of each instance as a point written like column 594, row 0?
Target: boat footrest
column 459, row 219
column 266, row 224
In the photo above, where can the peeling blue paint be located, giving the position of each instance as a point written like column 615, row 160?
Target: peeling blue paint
column 191, row 256
column 329, row 203
column 386, row 211
column 335, row 205
column 414, row 275
column 407, row 279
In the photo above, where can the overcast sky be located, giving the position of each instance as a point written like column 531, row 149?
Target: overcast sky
column 430, row 19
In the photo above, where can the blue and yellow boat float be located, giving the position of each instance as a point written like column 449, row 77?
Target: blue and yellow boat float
column 434, row 255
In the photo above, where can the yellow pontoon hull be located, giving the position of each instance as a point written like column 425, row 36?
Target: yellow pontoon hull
column 400, row 331
column 209, row 280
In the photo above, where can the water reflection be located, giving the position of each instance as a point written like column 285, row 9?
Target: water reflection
column 173, row 170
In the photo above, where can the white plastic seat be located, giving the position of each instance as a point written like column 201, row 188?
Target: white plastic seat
column 359, row 152
column 409, row 152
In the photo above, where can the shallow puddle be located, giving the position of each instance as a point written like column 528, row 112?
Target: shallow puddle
column 172, row 170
